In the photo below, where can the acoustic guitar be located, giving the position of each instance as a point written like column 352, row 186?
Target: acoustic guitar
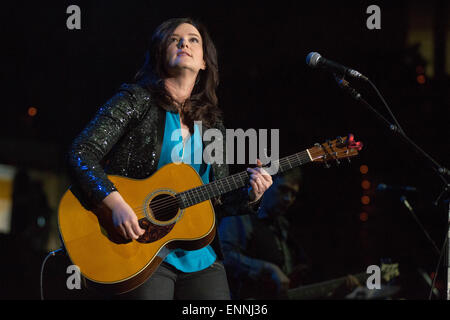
column 325, row 289
column 174, row 208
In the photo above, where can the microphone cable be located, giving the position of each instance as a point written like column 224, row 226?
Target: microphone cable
column 387, row 107
column 437, row 167
column 51, row 254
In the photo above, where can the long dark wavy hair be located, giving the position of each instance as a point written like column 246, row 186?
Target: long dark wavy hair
column 203, row 103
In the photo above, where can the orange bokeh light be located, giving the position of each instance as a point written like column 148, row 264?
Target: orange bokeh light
column 365, row 184
column 363, row 169
column 421, row 79
column 32, row 111
column 363, row 216
column 365, row 200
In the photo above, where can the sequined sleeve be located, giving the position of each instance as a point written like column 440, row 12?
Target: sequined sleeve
column 90, row 183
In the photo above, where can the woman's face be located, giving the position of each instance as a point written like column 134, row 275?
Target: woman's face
column 185, row 49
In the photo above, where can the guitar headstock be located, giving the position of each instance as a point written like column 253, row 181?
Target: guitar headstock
column 339, row 148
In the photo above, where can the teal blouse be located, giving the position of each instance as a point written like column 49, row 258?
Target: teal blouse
column 172, row 151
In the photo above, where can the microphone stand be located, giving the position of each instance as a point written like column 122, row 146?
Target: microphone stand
column 441, row 171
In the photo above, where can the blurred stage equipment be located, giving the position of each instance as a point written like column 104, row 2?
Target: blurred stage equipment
column 385, row 187
column 326, row 289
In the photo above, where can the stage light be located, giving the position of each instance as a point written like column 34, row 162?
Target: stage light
column 365, row 184
column 363, row 216
column 421, row 79
column 363, row 169
column 32, row 111
column 365, row 200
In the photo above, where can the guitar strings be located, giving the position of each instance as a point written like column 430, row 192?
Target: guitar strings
column 162, row 208
column 168, row 203
column 164, row 205
column 199, row 193
column 197, row 190
column 171, row 202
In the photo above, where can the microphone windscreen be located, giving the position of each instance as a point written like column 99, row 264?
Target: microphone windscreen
column 312, row 59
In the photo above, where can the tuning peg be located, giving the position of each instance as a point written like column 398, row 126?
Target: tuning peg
column 330, row 144
column 326, row 165
column 340, row 142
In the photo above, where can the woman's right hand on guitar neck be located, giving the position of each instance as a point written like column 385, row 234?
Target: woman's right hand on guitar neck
column 123, row 217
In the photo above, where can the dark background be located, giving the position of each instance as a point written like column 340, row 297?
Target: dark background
column 264, row 83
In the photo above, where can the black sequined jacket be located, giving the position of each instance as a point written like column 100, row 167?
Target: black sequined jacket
column 125, row 138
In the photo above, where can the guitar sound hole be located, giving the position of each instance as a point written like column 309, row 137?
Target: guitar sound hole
column 164, row 207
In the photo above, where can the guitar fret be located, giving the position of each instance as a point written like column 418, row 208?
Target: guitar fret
column 203, row 193
column 225, row 185
column 209, row 192
column 184, row 199
column 283, row 165
column 235, row 184
column 298, row 158
column 243, row 176
column 231, row 183
column 214, row 189
column 198, row 194
column 289, row 162
column 217, row 183
column 294, row 161
column 228, row 186
column 188, row 198
column 192, row 196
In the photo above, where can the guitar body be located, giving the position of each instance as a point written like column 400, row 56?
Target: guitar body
column 107, row 261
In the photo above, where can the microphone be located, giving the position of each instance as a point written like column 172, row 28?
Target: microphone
column 315, row 60
column 383, row 187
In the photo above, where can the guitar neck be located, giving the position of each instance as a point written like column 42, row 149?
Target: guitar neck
column 218, row 187
column 318, row 290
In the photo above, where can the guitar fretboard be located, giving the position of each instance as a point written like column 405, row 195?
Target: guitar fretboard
column 218, row 187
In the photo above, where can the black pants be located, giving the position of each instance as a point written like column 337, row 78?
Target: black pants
column 168, row 283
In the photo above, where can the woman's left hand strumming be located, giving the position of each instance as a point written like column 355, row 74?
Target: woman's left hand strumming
column 260, row 181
